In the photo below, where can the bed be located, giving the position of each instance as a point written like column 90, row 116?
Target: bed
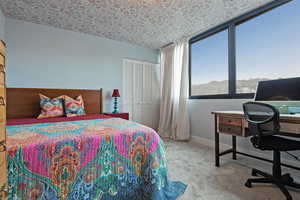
column 86, row 157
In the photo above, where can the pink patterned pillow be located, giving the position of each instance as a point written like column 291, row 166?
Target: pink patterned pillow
column 51, row 107
column 74, row 107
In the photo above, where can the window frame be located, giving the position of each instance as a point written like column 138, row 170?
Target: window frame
column 231, row 27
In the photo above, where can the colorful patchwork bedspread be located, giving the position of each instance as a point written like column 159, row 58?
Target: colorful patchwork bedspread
column 102, row 159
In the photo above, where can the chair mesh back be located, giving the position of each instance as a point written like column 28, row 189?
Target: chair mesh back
column 263, row 116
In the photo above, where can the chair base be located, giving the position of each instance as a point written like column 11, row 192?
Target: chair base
column 281, row 182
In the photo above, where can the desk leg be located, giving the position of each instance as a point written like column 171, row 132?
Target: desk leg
column 234, row 147
column 217, row 150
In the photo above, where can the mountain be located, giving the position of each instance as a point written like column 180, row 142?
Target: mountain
column 221, row 87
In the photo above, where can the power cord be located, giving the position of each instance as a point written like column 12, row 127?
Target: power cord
column 292, row 155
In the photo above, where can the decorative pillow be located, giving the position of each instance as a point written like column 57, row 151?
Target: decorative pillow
column 51, row 107
column 74, row 107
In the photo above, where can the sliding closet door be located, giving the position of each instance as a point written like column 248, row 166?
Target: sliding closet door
column 128, row 82
column 141, row 92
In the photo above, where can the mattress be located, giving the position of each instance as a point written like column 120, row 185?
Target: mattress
column 91, row 157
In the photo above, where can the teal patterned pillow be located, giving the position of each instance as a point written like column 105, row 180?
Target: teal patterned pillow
column 51, row 107
column 74, row 107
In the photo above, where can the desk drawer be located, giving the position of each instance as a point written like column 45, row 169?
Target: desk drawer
column 232, row 130
column 290, row 128
column 230, row 121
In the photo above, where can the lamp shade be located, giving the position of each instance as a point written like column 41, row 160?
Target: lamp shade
column 115, row 93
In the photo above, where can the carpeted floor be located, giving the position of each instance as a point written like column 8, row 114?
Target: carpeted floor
column 193, row 164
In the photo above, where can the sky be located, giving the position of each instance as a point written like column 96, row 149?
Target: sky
column 267, row 46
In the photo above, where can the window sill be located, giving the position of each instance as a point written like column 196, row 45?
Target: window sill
column 225, row 96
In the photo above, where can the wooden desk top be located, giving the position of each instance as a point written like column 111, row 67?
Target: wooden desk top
column 290, row 124
column 283, row 117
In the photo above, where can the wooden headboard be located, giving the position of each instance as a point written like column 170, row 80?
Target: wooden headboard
column 25, row 102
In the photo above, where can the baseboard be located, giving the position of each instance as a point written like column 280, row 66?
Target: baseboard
column 210, row 143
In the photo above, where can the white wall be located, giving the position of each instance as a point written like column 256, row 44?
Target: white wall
column 2, row 25
column 202, row 121
column 40, row 56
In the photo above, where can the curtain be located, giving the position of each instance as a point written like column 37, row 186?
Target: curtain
column 174, row 119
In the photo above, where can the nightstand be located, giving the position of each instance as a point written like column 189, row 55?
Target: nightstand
column 118, row 115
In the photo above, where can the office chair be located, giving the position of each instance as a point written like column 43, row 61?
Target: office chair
column 263, row 124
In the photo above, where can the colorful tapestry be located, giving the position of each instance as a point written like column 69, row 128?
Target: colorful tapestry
column 74, row 107
column 51, row 107
column 102, row 159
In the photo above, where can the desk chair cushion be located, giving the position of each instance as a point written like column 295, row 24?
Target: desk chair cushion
column 275, row 143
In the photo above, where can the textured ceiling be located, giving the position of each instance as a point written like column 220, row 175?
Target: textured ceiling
column 151, row 23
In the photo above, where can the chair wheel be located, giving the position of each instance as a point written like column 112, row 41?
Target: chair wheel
column 254, row 173
column 287, row 178
column 248, row 184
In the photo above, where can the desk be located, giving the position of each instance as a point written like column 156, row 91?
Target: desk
column 233, row 123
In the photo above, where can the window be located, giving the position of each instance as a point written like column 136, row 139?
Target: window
column 229, row 60
column 209, row 60
column 268, row 47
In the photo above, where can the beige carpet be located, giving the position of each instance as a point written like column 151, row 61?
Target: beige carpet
column 193, row 164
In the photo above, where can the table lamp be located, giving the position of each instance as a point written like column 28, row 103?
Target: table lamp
column 115, row 95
